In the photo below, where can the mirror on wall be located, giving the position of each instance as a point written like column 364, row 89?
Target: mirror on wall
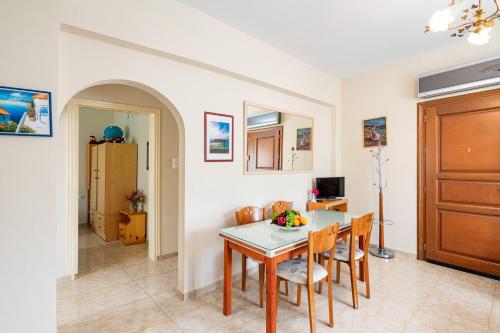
column 277, row 140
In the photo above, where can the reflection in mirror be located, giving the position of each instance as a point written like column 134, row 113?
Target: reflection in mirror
column 277, row 140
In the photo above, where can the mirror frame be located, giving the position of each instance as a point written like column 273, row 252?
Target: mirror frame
column 247, row 104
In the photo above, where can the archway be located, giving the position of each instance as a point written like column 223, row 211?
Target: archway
column 69, row 119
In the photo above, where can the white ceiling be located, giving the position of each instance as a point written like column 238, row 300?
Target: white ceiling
column 340, row 37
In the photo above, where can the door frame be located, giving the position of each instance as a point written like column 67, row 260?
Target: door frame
column 421, row 227
column 72, row 112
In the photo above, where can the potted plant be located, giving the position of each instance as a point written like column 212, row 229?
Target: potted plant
column 136, row 201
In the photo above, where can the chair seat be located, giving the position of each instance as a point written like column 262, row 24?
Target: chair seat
column 342, row 252
column 295, row 270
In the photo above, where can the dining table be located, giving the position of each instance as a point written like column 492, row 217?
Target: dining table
column 269, row 244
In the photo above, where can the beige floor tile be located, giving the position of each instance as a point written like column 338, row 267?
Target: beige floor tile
column 84, row 326
column 138, row 316
column 120, row 290
column 162, row 284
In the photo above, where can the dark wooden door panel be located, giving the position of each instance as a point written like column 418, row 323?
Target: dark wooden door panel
column 470, row 141
column 265, row 152
column 462, row 181
column 471, row 235
column 469, row 192
column 264, row 149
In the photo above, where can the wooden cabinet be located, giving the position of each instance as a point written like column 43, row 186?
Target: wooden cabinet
column 112, row 177
column 132, row 229
column 338, row 205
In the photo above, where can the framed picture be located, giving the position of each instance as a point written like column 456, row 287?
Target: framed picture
column 25, row 112
column 219, row 136
column 375, row 132
column 304, row 138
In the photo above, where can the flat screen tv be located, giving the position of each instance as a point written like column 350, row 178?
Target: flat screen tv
column 330, row 188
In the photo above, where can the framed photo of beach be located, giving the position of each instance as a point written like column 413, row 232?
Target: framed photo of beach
column 219, row 136
column 25, row 112
column 375, row 132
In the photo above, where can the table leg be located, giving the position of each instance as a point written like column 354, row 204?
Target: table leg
column 228, row 279
column 362, row 262
column 271, row 301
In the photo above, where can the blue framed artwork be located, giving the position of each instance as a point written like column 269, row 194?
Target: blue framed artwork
column 25, row 112
column 219, row 137
column 375, row 132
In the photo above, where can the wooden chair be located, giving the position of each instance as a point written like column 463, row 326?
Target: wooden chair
column 348, row 253
column 281, row 206
column 308, row 272
column 246, row 215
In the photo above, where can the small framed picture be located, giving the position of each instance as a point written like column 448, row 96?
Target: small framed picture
column 219, row 136
column 375, row 132
column 304, row 138
column 25, row 112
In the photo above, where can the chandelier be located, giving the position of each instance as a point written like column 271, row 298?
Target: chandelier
column 473, row 20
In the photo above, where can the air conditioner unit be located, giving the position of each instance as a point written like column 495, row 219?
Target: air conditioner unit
column 466, row 77
column 263, row 119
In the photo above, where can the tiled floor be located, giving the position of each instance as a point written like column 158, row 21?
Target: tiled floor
column 119, row 290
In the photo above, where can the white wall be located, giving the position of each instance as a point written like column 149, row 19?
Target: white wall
column 180, row 30
column 198, row 63
column 391, row 91
column 291, row 123
column 30, row 170
column 212, row 190
column 169, row 175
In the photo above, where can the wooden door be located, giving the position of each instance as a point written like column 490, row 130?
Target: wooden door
column 101, row 178
column 264, row 149
column 462, row 181
column 93, row 172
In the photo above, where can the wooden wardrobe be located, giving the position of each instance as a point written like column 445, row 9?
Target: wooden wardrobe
column 112, row 176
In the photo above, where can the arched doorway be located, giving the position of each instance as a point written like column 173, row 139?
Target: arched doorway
column 108, row 95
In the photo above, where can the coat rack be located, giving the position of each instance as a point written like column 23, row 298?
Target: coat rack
column 381, row 251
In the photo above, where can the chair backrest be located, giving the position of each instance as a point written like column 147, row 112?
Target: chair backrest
column 281, row 206
column 321, row 241
column 361, row 226
column 249, row 214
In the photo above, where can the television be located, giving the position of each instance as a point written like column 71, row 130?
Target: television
column 330, row 188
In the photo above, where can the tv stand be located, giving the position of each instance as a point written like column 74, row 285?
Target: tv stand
column 339, row 205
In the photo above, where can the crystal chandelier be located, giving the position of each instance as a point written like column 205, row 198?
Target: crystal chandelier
column 474, row 21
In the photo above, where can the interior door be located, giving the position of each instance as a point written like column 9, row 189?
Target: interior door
column 93, row 178
column 462, row 182
column 101, row 179
column 264, row 149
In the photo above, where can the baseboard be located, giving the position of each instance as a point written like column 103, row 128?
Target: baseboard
column 168, row 255
column 213, row 286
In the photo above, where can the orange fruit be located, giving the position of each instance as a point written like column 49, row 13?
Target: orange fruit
column 303, row 220
column 296, row 222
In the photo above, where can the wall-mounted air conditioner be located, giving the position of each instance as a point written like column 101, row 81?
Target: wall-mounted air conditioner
column 470, row 76
column 263, row 119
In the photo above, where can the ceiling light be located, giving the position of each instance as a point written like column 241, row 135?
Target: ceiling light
column 475, row 21
column 480, row 38
column 440, row 20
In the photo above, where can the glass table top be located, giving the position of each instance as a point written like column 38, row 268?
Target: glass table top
column 270, row 238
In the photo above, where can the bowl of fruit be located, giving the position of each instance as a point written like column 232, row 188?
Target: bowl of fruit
column 289, row 220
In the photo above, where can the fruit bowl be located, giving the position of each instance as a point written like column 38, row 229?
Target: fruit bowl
column 289, row 220
column 290, row 228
